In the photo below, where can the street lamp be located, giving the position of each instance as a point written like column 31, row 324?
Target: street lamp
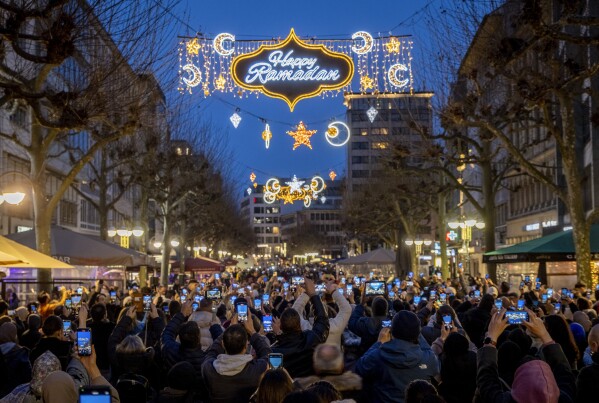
column 466, row 225
column 124, row 233
column 13, row 198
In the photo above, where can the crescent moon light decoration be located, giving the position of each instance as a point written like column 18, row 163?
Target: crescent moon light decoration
column 334, row 136
column 195, row 76
column 218, row 42
column 392, row 75
column 368, row 42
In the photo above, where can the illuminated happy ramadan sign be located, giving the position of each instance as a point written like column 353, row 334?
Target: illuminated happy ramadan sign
column 292, row 70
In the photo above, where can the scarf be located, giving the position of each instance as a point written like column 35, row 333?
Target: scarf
column 230, row 365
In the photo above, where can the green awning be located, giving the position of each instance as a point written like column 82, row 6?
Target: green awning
column 558, row 247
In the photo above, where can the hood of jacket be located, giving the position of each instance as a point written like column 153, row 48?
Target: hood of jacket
column 534, row 382
column 203, row 319
column 134, row 362
column 401, row 354
column 230, row 365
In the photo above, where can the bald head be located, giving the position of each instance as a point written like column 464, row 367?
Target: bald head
column 328, row 360
column 594, row 339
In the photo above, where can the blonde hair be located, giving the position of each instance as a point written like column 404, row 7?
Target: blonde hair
column 130, row 345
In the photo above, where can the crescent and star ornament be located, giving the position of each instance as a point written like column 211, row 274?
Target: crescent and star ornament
column 366, row 47
column 218, row 42
column 392, row 75
column 334, row 136
column 195, row 76
column 301, row 135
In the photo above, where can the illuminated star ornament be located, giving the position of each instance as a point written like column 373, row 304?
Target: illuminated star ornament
column 371, row 113
column 301, row 136
column 220, row 82
column 193, row 46
column 393, row 45
column 366, row 83
column 295, row 185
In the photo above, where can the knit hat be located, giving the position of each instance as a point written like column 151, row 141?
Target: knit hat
column 8, row 333
column 181, row 376
column 534, row 382
column 405, row 326
column 577, row 331
column 455, row 344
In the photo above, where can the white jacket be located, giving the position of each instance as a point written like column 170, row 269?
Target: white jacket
column 204, row 321
column 337, row 324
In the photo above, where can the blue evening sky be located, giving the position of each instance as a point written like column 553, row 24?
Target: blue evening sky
column 321, row 19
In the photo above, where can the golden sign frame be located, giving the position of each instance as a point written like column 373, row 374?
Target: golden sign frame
column 293, row 37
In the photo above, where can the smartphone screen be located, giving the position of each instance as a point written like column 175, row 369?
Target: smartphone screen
column 343, row 280
column 242, row 312
column 498, row 304
column 275, row 360
column 94, row 394
column 447, row 319
column 184, row 291
column 558, row 307
column 147, row 302
column 516, row 317
column 520, row 304
column 349, row 289
column 477, row 293
column 195, row 306
column 113, row 295
column 217, row 276
column 80, row 290
column 374, row 288
column 76, row 300
column 266, row 299
column 411, row 274
column 258, row 303
column 33, row 308
column 416, row 300
column 544, row 298
column 197, row 298
column 442, row 297
column 68, row 303
column 183, row 298
column 267, row 323
column 386, row 323
column 391, row 294
column 66, row 327
column 84, row 342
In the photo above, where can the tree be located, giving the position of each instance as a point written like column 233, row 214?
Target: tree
column 534, row 75
column 73, row 65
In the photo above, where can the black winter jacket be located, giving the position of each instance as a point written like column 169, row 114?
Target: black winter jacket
column 587, row 384
column 298, row 347
column 60, row 348
column 367, row 328
column 17, row 367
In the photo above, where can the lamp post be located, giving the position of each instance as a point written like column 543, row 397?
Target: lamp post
column 465, row 225
column 125, row 233
column 417, row 244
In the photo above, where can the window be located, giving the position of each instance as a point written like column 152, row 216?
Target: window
column 89, row 217
column 359, row 145
column 359, row 159
column 68, row 213
column 359, row 173
column 380, row 145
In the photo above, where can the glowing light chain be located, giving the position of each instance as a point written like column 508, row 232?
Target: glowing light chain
column 333, row 134
column 294, row 191
column 371, row 113
column 301, row 135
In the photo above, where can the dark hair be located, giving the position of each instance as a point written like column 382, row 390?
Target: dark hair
column 3, row 307
column 174, row 307
column 235, row 339
column 420, row 391
column 189, row 335
column 504, row 287
column 583, row 304
column 302, row 396
column 51, row 325
column 326, row 391
column 60, row 310
column 98, row 312
column 560, row 332
column 274, row 385
column 379, row 306
column 43, row 297
column 290, row 321
column 487, row 302
column 444, row 310
column 34, row 322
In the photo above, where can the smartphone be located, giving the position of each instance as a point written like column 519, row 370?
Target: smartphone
column 371, row 274
column 349, row 289
column 33, row 308
column 521, row 284
column 487, row 276
column 147, row 303
column 113, row 295
column 544, row 298
column 391, row 294
column 320, row 288
column 267, row 323
column 94, row 394
column 75, row 300
column 558, row 307
column 564, row 291
column 68, row 303
column 80, row 290
column 527, row 279
column 265, row 299
column 195, row 306
column 275, row 360
column 66, row 327
column 165, row 309
column 597, row 287
column 197, row 298
column 183, row 298
column 386, row 323
column 233, row 299
column 410, row 283
column 297, row 280
column 285, row 286
column 213, row 294
column 217, row 276
column 516, row 317
column 343, row 280
column 374, row 288
column 410, row 274
column 521, row 304
column 416, row 300
column 537, row 286
column 447, row 320
column 477, row 293
column 258, row 303
column 184, row 291
column 550, row 291
column 242, row 312
column 442, row 297
column 84, row 342
column 433, row 293
column 498, row 304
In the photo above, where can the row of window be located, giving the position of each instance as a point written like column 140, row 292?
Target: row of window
column 365, row 145
column 265, row 220
column 266, row 230
column 324, row 216
column 266, row 210
column 268, row 239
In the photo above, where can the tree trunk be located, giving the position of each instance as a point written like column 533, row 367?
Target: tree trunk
column 488, row 213
column 166, row 247
column 443, row 234
column 103, row 197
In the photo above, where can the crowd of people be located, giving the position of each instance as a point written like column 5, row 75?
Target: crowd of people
column 303, row 335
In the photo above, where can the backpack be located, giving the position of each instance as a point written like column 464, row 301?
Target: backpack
column 133, row 388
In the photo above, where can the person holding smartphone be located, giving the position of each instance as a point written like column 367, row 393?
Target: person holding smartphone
column 230, row 374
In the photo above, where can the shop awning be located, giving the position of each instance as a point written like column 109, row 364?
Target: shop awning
column 82, row 250
column 199, row 264
column 13, row 254
column 558, row 247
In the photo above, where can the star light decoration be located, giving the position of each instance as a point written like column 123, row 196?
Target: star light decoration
column 193, row 46
column 332, row 175
column 371, row 113
column 295, row 190
column 301, row 136
column 235, row 119
column 366, row 83
column 393, row 45
column 220, row 82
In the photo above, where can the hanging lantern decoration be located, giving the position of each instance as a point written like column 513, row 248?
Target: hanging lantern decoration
column 252, row 177
column 371, row 113
column 249, row 190
column 332, row 175
column 266, row 136
column 255, row 185
column 235, row 118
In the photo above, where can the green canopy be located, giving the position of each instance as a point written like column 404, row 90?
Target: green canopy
column 558, row 247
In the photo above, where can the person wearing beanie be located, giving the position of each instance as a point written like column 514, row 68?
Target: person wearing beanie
column 400, row 356
column 365, row 327
column 15, row 359
column 458, row 369
column 548, row 380
column 587, row 384
column 181, row 380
